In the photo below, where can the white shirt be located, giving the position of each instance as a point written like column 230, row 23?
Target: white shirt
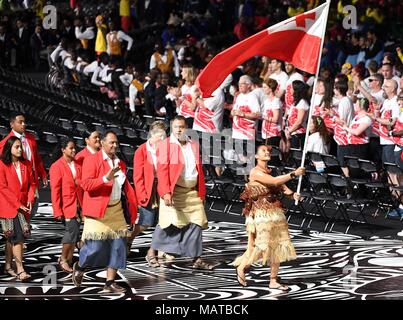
column 212, row 112
column 281, row 79
column 18, row 170
column 164, row 58
column 153, row 153
column 346, row 110
column 87, row 34
column 242, row 128
column 189, row 171
column 73, row 169
column 389, row 104
column 316, row 144
column 90, row 68
column 126, row 79
column 118, row 181
column 25, row 145
column 121, row 36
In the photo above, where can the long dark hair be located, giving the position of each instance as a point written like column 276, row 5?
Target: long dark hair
column 321, row 128
column 6, row 156
column 300, row 91
column 328, row 96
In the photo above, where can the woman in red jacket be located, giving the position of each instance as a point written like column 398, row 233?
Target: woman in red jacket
column 17, row 196
column 145, row 183
column 67, row 196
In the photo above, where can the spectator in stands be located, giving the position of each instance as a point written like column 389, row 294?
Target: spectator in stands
column 296, row 124
column 124, row 12
column 375, row 96
column 98, row 70
column 105, row 224
column 86, row 37
column 346, row 70
column 358, row 132
column 387, row 72
column 280, row 76
column 100, row 40
column 387, row 119
column 145, row 183
column 93, row 145
column 60, row 53
column 210, row 111
column 114, row 39
column 292, row 76
column 37, row 44
column 22, row 36
column 245, row 112
column 67, row 31
column 181, row 187
column 67, row 196
column 17, row 196
column 187, row 104
column 188, row 55
column 164, row 59
column 318, row 140
column 271, row 114
column 5, row 46
column 342, row 116
column 374, row 47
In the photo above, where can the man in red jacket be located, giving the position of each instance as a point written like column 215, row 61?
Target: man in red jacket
column 93, row 145
column 107, row 193
column 30, row 151
column 182, row 189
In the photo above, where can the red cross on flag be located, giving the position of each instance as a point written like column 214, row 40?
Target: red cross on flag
column 296, row 40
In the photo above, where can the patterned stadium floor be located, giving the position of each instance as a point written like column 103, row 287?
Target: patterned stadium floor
column 329, row 266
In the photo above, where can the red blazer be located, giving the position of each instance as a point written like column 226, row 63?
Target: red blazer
column 79, row 158
column 143, row 174
column 64, row 190
column 36, row 160
column 97, row 193
column 169, row 167
column 13, row 194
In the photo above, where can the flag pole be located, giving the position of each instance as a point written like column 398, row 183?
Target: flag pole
column 326, row 13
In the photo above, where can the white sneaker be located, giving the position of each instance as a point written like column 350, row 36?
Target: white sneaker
column 400, row 234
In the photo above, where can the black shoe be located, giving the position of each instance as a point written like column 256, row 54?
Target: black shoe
column 113, row 288
column 77, row 276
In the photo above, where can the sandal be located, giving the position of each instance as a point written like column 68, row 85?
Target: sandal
column 11, row 272
column 152, row 261
column 62, row 264
column 241, row 281
column 200, row 264
column 22, row 278
column 165, row 256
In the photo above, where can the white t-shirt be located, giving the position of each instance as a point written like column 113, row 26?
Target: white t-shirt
column 389, row 104
column 346, row 110
column 270, row 129
column 209, row 118
column 363, row 138
column 259, row 95
column 316, row 144
column 242, row 128
column 281, row 79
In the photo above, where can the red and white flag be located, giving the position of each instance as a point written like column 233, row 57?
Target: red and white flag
column 296, row 40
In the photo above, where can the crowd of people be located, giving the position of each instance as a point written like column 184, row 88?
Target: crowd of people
column 357, row 111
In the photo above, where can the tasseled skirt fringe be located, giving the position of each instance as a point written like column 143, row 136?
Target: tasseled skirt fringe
column 269, row 240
